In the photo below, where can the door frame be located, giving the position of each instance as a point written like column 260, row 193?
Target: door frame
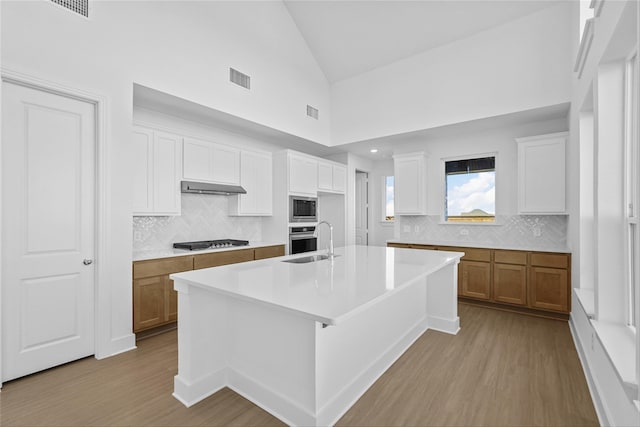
column 368, row 201
column 102, row 301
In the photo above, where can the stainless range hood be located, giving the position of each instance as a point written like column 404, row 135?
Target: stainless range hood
column 208, row 188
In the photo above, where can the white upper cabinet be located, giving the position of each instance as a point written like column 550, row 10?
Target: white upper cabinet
column 256, row 178
column 541, row 174
column 331, row 177
column 410, row 192
column 157, row 172
column 210, row 162
column 303, row 175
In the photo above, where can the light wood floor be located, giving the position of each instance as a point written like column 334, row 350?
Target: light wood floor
column 502, row 369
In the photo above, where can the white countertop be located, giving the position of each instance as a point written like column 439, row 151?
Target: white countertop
column 479, row 245
column 325, row 291
column 168, row 253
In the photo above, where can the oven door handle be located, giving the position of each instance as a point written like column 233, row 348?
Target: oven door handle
column 301, row 236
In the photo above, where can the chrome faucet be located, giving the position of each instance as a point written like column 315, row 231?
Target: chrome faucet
column 315, row 234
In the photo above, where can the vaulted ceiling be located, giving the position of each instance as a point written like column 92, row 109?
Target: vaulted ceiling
column 349, row 38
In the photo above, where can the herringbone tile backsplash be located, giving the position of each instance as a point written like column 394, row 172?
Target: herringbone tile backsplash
column 204, row 217
column 544, row 232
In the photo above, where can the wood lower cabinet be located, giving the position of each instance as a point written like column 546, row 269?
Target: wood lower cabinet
column 510, row 284
column 269, row 252
column 475, row 279
column 215, row 259
column 155, row 303
column 532, row 282
column 510, row 277
column 549, row 282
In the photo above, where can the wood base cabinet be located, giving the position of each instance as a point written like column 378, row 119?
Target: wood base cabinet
column 475, row 279
column 155, row 303
column 522, row 280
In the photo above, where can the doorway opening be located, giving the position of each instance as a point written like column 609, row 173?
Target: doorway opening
column 362, row 208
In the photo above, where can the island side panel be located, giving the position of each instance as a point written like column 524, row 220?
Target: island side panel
column 442, row 299
column 272, row 357
column 353, row 354
column 203, row 342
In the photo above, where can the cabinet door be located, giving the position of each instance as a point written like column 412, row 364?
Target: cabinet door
column 256, row 177
column 142, row 143
column 225, row 165
column 325, row 176
column 303, row 175
column 166, row 173
column 549, row 289
column 476, row 279
column 339, row 178
column 541, row 174
column 510, row 283
column 148, row 302
column 409, row 191
column 197, row 160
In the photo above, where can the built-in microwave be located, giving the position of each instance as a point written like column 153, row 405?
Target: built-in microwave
column 303, row 209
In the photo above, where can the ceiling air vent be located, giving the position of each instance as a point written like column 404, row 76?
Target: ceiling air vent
column 80, row 7
column 312, row 112
column 239, row 78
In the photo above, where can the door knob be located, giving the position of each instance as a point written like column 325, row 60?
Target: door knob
column 87, row 261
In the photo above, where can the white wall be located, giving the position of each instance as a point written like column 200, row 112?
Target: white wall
column 518, row 66
column 181, row 48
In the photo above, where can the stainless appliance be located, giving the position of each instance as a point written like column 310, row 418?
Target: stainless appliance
column 303, row 209
column 301, row 239
column 210, row 244
column 210, row 188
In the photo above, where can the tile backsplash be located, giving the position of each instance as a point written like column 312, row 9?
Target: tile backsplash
column 204, row 217
column 544, row 232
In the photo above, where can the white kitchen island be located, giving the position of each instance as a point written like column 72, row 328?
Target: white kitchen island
column 305, row 341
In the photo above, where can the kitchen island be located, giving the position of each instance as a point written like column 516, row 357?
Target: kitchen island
column 305, row 340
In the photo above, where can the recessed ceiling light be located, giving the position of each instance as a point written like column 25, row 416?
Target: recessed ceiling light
column 374, row 150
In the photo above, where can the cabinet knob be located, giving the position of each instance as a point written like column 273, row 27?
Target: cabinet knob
column 87, row 261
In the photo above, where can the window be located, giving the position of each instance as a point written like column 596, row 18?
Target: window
column 470, row 190
column 387, row 198
column 632, row 189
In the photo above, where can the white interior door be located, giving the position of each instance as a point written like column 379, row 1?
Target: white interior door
column 362, row 208
column 48, row 215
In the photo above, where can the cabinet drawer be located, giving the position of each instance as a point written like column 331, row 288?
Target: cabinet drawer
column 427, row 247
column 550, row 260
column 510, row 257
column 160, row 267
column 470, row 254
column 398, row 245
column 269, row 252
column 222, row 258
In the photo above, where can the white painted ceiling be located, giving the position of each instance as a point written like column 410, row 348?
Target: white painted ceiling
column 348, row 37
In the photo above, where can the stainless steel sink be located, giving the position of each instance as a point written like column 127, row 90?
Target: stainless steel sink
column 306, row 259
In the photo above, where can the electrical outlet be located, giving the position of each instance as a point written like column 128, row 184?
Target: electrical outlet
column 537, row 232
column 416, row 228
column 464, row 232
column 406, row 229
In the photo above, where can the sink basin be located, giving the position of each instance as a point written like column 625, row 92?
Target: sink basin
column 310, row 258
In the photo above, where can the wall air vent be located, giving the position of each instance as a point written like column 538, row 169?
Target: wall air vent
column 312, row 112
column 80, row 7
column 239, row 78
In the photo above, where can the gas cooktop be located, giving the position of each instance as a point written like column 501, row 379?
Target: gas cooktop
column 210, row 244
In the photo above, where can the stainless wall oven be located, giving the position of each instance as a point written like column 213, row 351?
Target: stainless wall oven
column 303, row 209
column 301, row 240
